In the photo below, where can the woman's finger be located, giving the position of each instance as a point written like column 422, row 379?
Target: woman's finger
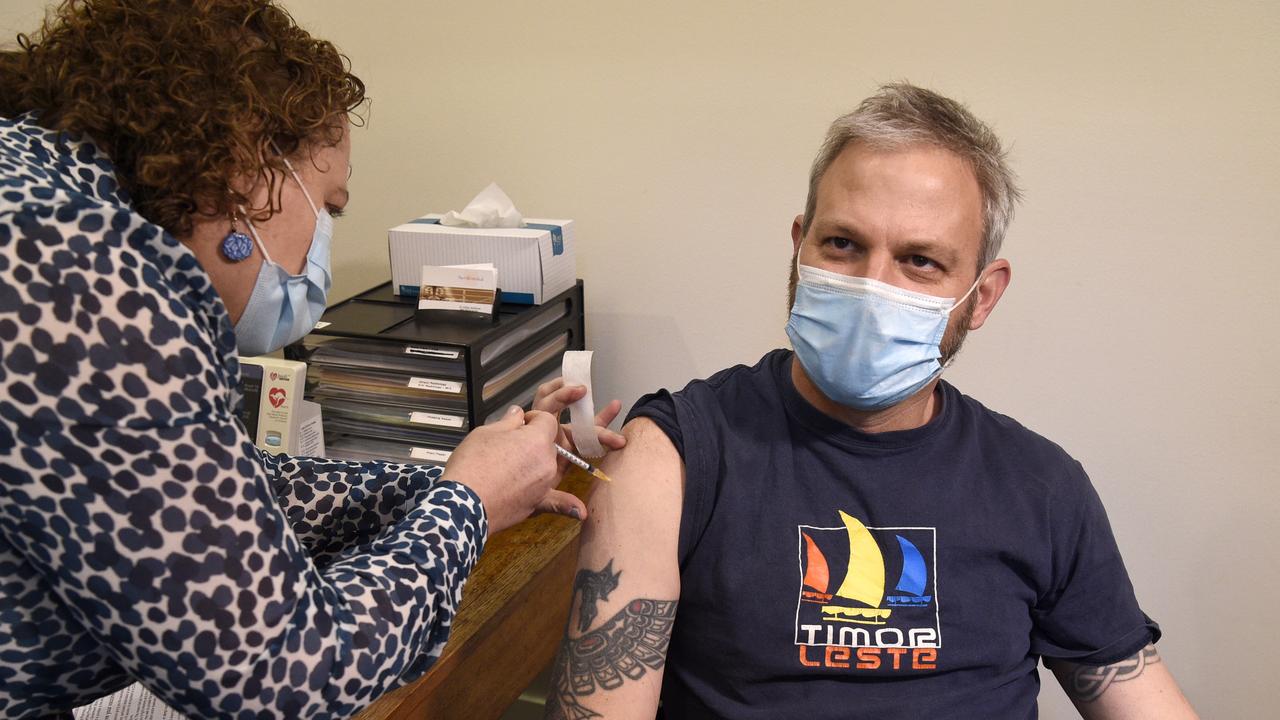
column 562, row 503
column 610, row 411
column 564, row 439
column 546, row 389
column 610, row 439
column 559, row 399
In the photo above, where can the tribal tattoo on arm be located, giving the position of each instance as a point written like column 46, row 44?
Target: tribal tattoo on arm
column 624, row 648
column 1086, row 683
column 594, row 586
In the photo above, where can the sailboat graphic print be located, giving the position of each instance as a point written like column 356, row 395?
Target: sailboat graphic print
column 863, row 582
column 867, row 586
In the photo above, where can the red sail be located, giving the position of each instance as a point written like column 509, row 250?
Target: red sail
column 816, row 575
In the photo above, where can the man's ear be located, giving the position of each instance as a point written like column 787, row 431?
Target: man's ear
column 797, row 233
column 994, row 281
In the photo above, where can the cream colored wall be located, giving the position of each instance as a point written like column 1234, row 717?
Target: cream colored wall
column 1140, row 329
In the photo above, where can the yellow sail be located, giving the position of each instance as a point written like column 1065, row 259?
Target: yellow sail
column 864, row 582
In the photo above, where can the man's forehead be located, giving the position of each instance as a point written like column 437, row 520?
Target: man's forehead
column 922, row 193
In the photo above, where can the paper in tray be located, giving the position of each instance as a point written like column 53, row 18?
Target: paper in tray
column 419, row 358
column 523, row 397
column 326, row 395
column 428, row 418
column 543, row 319
column 545, row 352
column 425, row 436
column 353, row 447
column 398, row 387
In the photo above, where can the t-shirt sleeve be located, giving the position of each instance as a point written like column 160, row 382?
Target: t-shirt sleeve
column 677, row 415
column 1090, row 614
column 660, row 407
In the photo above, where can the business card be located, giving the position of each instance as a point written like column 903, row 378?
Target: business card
column 469, row 288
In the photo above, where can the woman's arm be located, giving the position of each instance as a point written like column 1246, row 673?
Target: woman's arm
column 334, row 504
column 169, row 547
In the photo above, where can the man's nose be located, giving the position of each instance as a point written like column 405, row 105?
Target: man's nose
column 878, row 265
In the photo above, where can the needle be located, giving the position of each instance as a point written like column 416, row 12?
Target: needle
column 591, row 469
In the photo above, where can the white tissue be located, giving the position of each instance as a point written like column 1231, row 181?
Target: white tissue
column 491, row 208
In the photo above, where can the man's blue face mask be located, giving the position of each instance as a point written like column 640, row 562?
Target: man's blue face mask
column 284, row 307
column 867, row 344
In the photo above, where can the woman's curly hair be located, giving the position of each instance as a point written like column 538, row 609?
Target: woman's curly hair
column 187, row 97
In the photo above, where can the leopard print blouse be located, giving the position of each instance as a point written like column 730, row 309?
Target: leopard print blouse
column 142, row 535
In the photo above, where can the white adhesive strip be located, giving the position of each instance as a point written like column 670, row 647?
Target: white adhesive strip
column 576, row 370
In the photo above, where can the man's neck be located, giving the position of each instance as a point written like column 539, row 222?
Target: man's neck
column 909, row 414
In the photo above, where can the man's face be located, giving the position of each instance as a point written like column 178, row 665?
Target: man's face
column 911, row 218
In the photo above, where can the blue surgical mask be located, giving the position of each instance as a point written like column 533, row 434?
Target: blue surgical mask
column 867, row 344
column 284, row 307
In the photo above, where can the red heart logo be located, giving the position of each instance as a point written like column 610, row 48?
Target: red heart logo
column 276, row 397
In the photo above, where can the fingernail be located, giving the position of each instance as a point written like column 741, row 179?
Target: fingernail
column 574, row 512
column 514, row 409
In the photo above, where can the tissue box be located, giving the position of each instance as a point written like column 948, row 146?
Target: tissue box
column 534, row 262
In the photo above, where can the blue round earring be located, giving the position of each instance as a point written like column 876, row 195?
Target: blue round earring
column 236, row 246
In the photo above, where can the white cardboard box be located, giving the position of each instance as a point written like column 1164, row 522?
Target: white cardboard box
column 534, row 263
column 285, row 423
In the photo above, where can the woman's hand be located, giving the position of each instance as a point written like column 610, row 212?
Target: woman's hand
column 554, row 396
column 513, row 466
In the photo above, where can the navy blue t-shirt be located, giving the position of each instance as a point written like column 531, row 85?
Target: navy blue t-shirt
column 830, row 573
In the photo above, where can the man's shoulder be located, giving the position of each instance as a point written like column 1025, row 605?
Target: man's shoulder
column 728, row 387
column 1006, row 440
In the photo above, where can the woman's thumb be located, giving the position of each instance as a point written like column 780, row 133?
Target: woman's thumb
column 512, row 418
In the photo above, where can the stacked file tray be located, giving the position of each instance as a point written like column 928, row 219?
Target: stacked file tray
column 395, row 386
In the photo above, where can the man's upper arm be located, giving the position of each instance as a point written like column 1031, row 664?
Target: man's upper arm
column 628, row 581
column 1140, row 686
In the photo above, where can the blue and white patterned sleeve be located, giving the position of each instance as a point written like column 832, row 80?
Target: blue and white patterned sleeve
column 175, row 554
column 335, row 504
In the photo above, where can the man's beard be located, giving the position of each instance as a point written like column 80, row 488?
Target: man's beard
column 951, row 341
column 950, row 346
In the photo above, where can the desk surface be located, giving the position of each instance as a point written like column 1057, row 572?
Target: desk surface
column 508, row 626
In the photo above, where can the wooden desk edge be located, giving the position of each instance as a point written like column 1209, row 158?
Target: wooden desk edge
column 503, row 643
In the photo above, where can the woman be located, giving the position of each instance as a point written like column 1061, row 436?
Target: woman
column 168, row 176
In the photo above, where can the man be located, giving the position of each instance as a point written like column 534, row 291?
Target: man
column 837, row 532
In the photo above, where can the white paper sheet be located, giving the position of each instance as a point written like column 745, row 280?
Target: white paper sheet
column 132, row 703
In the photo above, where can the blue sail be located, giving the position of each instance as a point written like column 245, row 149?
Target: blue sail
column 914, row 574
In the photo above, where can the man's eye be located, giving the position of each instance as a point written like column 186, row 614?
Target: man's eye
column 839, row 243
column 922, row 262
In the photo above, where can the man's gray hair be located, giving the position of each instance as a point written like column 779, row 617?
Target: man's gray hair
column 900, row 115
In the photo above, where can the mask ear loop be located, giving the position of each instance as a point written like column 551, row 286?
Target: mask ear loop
column 959, row 302
column 261, row 245
column 795, row 262
column 314, row 208
column 968, row 292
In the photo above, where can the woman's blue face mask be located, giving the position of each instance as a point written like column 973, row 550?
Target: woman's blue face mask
column 284, row 307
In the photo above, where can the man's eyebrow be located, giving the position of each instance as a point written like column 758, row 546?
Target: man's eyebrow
column 826, row 226
column 940, row 251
